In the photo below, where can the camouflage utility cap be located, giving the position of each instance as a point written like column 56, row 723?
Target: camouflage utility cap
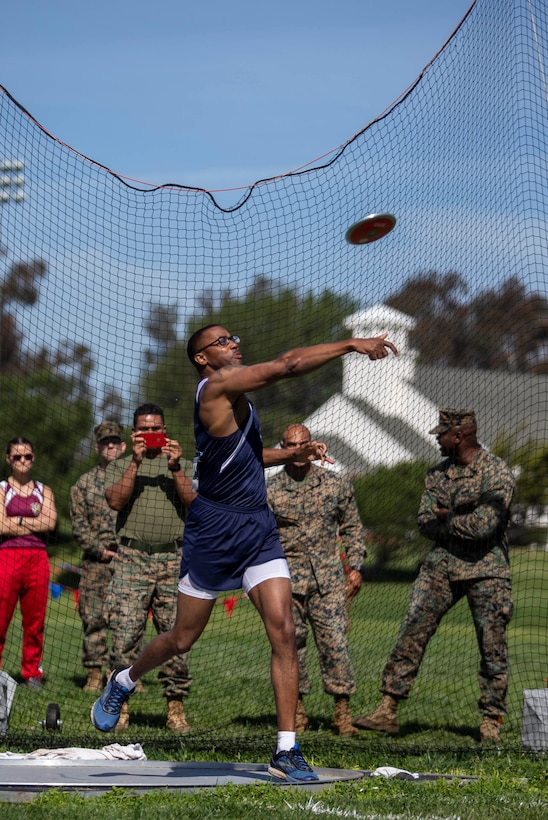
column 107, row 429
column 449, row 417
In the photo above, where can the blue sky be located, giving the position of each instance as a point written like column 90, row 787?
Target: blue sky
column 215, row 94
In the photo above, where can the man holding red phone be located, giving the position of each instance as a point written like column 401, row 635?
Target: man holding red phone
column 151, row 491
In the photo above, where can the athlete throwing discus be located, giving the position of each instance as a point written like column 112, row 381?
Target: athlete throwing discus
column 230, row 538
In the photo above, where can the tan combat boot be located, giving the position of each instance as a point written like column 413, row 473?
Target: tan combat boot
column 301, row 718
column 343, row 718
column 383, row 719
column 490, row 728
column 94, row 682
column 176, row 718
column 123, row 720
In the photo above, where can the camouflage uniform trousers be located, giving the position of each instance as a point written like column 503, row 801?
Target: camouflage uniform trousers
column 142, row 583
column 92, row 593
column 432, row 595
column 328, row 619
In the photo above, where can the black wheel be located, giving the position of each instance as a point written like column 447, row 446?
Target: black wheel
column 53, row 716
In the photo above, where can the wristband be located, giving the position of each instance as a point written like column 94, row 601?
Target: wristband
column 174, row 469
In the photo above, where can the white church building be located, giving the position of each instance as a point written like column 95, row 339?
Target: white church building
column 386, row 408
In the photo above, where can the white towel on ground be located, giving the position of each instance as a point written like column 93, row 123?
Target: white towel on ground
column 133, row 751
column 391, row 771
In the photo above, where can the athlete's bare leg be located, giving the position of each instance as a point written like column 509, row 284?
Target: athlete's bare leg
column 191, row 620
column 272, row 599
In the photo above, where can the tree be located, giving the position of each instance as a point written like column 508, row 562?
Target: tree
column 510, row 329
column 388, row 499
column 46, row 408
column 19, row 286
column 529, row 463
column 503, row 329
column 269, row 318
column 161, row 326
column 45, row 395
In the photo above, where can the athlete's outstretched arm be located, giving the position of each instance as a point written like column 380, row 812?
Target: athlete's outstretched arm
column 232, row 381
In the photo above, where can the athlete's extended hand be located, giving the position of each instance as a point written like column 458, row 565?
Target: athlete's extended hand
column 377, row 347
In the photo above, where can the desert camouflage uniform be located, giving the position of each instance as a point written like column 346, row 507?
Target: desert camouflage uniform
column 470, row 557
column 143, row 582
column 318, row 518
column 93, row 527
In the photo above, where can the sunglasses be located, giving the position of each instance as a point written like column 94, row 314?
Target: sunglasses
column 24, row 457
column 222, row 341
column 104, row 442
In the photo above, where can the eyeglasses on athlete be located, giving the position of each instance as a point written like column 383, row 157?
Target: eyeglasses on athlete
column 222, row 341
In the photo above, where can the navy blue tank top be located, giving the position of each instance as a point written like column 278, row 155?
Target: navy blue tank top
column 230, row 469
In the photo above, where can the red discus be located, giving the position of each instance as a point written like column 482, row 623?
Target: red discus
column 370, row 228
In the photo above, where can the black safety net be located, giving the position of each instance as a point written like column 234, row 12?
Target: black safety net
column 103, row 279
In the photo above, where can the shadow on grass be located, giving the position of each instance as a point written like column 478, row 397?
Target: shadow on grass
column 147, row 719
column 269, row 723
column 411, row 728
column 321, row 725
column 381, row 574
column 266, row 722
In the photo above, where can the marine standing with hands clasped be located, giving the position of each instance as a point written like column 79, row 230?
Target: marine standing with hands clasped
column 317, row 517
column 94, row 530
column 465, row 511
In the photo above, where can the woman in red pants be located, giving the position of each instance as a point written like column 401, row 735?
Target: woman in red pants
column 27, row 513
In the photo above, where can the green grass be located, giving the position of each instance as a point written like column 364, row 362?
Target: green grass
column 231, row 699
column 493, row 796
column 232, row 714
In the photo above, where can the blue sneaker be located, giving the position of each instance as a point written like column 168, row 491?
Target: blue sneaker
column 292, row 766
column 105, row 712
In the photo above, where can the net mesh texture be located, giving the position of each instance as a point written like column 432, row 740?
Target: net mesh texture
column 104, row 279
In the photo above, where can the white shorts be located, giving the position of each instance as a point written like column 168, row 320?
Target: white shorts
column 277, row 568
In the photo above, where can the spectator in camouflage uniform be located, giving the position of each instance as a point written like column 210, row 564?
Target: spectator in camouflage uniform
column 93, row 528
column 465, row 511
column 317, row 518
column 151, row 490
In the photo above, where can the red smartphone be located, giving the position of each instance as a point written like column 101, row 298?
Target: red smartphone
column 154, row 441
